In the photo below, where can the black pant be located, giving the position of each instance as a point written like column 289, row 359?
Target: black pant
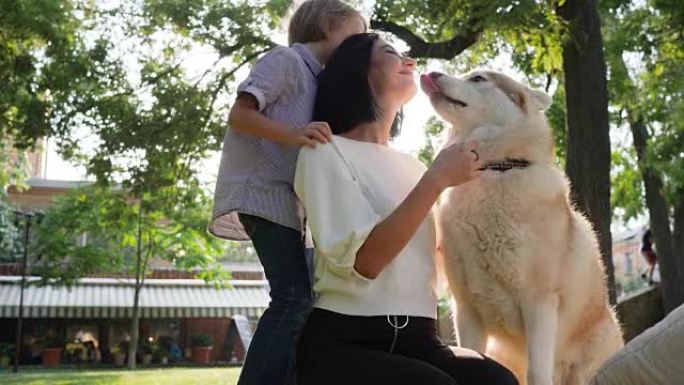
column 341, row 349
column 270, row 358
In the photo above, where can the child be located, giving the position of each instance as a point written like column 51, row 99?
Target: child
column 254, row 198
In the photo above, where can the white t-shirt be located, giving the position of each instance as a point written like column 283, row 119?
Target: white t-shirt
column 347, row 188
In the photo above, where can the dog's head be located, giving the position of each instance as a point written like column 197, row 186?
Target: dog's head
column 488, row 99
column 482, row 98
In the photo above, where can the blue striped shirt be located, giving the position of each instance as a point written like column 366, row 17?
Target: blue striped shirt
column 256, row 175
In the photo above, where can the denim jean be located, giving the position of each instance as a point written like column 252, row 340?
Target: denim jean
column 270, row 358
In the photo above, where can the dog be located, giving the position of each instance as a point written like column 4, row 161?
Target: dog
column 522, row 264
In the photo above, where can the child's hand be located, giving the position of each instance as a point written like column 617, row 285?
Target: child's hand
column 312, row 133
column 456, row 164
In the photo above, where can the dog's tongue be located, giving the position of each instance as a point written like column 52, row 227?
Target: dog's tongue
column 428, row 85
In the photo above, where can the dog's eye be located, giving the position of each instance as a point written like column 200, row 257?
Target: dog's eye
column 477, row 79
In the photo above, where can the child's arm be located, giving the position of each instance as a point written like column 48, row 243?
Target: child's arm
column 245, row 117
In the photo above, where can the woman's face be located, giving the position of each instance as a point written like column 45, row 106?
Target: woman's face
column 391, row 75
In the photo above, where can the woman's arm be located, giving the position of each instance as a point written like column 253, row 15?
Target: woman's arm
column 455, row 165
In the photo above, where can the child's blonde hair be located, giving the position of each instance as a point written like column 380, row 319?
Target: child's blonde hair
column 314, row 19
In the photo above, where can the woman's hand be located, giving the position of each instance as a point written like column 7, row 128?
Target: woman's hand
column 456, row 164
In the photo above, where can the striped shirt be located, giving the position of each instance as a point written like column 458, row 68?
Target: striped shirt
column 256, row 175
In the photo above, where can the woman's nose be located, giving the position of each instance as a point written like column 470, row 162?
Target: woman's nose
column 410, row 62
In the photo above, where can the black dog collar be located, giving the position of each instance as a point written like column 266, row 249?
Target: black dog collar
column 507, row 164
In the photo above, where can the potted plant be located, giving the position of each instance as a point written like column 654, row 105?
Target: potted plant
column 201, row 348
column 52, row 350
column 118, row 353
column 75, row 352
column 163, row 354
column 146, row 351
column 6, row 351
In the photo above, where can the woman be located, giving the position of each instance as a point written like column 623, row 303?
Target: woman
column 368, row 207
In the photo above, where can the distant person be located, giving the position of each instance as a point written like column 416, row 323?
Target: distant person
column 36, row 352
column 94, row 354
column 649, row 254
column 175, row 351
column 254, row 199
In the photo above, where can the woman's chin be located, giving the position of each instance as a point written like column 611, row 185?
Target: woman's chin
column 410, row 93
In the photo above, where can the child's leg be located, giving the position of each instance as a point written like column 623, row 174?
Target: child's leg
column 270, row 359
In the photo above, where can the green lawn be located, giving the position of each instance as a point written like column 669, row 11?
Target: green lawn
column 179, row 376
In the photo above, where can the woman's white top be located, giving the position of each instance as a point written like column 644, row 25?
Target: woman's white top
column 347, row 188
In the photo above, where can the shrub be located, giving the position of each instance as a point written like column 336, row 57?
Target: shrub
column 201, row 341
column 52, row 342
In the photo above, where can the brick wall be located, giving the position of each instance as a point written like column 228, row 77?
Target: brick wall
column 216, row 328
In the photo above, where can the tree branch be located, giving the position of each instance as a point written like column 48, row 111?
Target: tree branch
column 227, row 50
column 222, row 82
column 419, row 48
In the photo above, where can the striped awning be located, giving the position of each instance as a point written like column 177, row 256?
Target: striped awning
column 113, row 298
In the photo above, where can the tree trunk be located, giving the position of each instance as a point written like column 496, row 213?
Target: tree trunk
column 588, row 141
column 672, row 283
column 679, row 228
column 135, row 329
column 679, row 239
column 139, row 276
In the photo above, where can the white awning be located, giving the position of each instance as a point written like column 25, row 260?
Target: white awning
column 113, row 298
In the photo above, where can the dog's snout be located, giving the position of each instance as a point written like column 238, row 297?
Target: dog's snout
column 435, row 75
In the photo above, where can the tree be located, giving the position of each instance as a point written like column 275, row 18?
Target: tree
column 648, row 100
column 95, row 230
column 10, row 241
column 69, row 67
column 239, row 251
column 587, row 160
column 39, row 53
column 433, row 130
column 47, row 65
column 556, row 38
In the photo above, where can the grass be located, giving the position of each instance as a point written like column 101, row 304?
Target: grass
column 169, row 376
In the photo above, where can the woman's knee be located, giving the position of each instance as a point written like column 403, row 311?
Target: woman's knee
column 469, row 367
column 433, row 377
column 499, row 374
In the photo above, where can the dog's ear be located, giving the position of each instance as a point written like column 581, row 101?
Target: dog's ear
column 538, row 100
column 541, row 99
column 525, row 97
column 521, row 98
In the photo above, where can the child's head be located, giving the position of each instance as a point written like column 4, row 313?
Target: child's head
column 331, row 21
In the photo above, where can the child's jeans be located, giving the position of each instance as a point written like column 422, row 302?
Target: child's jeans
column 270, row 358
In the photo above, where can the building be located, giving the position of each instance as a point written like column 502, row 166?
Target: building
column 174, row 306
column 100, row 309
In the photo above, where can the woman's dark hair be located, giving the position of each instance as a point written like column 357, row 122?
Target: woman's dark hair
column 344, row 98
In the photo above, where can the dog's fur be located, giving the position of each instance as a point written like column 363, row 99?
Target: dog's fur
column 523, row 265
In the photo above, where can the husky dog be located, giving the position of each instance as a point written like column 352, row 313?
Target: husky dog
column 523, row 265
